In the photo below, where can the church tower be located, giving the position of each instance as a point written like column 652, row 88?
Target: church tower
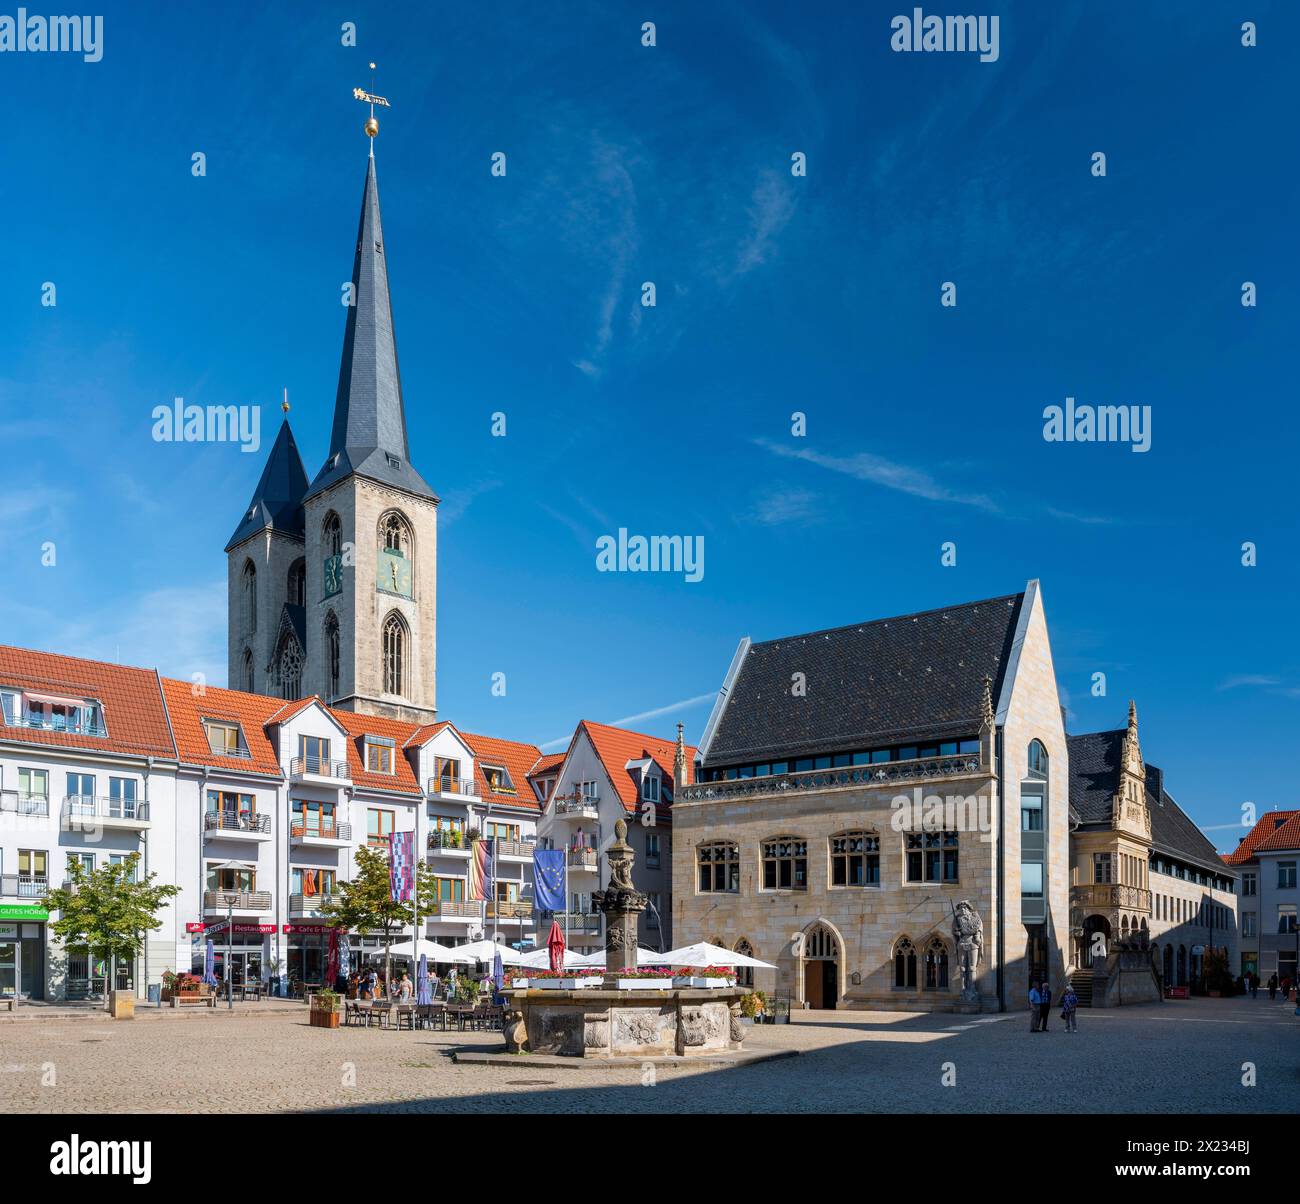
column 369, row 519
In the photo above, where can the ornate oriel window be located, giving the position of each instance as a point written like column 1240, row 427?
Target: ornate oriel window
column 394, row 653
column 331, row 657
column 248, row 596
column 718, row 862
column 905, row 964
column 785, row 863
column 289, row 668
column 855, row 859
column 936, row 965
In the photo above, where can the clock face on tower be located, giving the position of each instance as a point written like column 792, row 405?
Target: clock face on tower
column 333, row 575
column 393, row 573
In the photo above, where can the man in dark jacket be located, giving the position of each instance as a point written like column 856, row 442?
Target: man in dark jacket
column 1045, row 994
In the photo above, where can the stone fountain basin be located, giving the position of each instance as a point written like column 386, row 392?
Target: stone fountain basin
column 597, row 1022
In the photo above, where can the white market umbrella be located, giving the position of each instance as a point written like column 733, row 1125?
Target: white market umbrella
column 644, row 957
column 430, row 949
column 540, row 959
column 485, row 951
column 704, row 954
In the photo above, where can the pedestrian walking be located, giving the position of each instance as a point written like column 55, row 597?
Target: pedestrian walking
column 1272, row 986
column 1254, row 985
column 1045, row 994
column 1035, row 1005
column 1070, row 1009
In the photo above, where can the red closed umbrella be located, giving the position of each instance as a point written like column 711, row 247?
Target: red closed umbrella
column 332, row 959
column 555, row 943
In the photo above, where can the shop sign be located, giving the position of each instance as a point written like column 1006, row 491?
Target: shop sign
column 308, row 929
column 253, row 929
column 22, row 911
column 192, row 927
column 8, row 932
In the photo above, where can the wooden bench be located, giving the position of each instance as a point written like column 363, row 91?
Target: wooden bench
column 208, row 1000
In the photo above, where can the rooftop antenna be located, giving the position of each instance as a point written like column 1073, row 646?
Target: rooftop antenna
column 372, row 126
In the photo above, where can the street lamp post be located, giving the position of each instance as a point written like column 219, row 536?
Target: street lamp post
column 230, row 952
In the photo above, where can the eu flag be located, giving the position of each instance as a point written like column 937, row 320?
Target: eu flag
column 548, row 879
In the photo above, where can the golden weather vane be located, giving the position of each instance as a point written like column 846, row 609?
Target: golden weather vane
column 372, row 126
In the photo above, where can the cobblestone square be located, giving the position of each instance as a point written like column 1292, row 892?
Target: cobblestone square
column 1187, row 1057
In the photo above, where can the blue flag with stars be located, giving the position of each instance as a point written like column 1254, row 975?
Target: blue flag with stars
column 548, row 879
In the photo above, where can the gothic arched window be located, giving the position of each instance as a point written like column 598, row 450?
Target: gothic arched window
column 395, row 534
column 333, row 535
column 288, row 666
column 331, row 657
column 745, row 974
column 248, row 677
column 905, row 964
column 248, row 596
column 1037, row 758
column 298, row 583
column 394, row 652
column 936, row 965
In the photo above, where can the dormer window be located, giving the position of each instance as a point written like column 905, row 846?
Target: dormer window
column 225, row 739
column 379, row 754
column 393, row 461
column 650, row 788
column 52, row 712
column 498, row 779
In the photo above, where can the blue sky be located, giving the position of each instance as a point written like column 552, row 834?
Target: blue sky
column 775, row 294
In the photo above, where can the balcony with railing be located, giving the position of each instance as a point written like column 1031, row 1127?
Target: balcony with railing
column 319, row 770
column 452, row 790
column 515, row 850
column 583, row 922
column 18, row 803
column 236, row 825
column 23, row 886
column 510, row 909
column 450, row 843
column 83, row 811
column 1109, row 896
column 455, row 909
column 847, row 777
column 305, row 906
column 322, row 833
column 241, row 902
column 583, row 859
column 586, row 807
column 69, row 724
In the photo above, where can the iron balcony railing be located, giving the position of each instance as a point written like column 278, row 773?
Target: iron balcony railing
column 583, row 859
column 883, row 773
column 236, row 900
column 86, row 806
column 578, row 921
column 321, row 767
column 456, row 909
column 24, row 804
column 323, row 829
column 56, row 723
column 446, row 785
column 233, row 821
column 439, row 838
column 589, row 804
column 24, row 886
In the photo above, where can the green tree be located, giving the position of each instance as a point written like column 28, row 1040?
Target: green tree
column 365, row 905
column 106, row 911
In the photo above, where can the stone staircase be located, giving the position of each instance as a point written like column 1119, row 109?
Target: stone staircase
column 1081, row 981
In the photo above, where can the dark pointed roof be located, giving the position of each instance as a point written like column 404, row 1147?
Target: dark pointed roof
column 277, row 500
column 890, row 681
column 369, row 436
column 1095, row 759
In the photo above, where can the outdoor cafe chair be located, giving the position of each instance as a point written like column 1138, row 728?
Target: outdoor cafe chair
column 404, row 1011
column 381, row 1010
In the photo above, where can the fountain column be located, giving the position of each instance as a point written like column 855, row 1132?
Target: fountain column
column 621, row 904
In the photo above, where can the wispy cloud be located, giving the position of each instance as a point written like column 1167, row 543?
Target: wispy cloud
column 453, row 507
column 1247, row 679
column 779, row 506
column 771, row 205
column 1092, row 520
column 672, row 708
column 863, row 466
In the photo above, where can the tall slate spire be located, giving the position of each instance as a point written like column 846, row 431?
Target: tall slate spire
column 277, row 500
column 369, row 436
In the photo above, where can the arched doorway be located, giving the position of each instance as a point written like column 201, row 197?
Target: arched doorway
column 1181, row 980
column 821, row 967
column 1093, row 925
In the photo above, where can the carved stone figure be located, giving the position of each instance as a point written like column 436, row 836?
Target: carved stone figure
column 968, row 935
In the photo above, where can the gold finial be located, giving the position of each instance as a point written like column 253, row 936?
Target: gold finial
column 284, row 405
column 372, row 126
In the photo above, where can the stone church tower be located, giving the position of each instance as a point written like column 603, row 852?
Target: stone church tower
column 333, row 585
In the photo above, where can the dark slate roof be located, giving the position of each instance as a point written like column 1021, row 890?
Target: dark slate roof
column 1094, row 778
column 886, row 681
column 277, row 500
column 369, row 420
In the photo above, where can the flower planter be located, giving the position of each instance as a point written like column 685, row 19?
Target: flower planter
column 519, row 984
column 320, row 1018
column 696, row 981
column 564, row 984
column 644, row 984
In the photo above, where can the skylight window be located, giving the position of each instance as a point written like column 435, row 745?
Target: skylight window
column 498, row 779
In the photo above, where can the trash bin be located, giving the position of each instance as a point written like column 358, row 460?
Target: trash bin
column 155, row 992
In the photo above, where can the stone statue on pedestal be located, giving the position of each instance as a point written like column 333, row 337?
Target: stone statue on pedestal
column 968, row 936
column 621, row 904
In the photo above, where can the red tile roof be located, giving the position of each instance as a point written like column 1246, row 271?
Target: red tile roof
column 424, row 732
column 1274, row 831
column 547, row 764
column 516, row 757
column 289, row 710
column 617, row 746
column 133, row 712
column 251, row 711
column 358, row 727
